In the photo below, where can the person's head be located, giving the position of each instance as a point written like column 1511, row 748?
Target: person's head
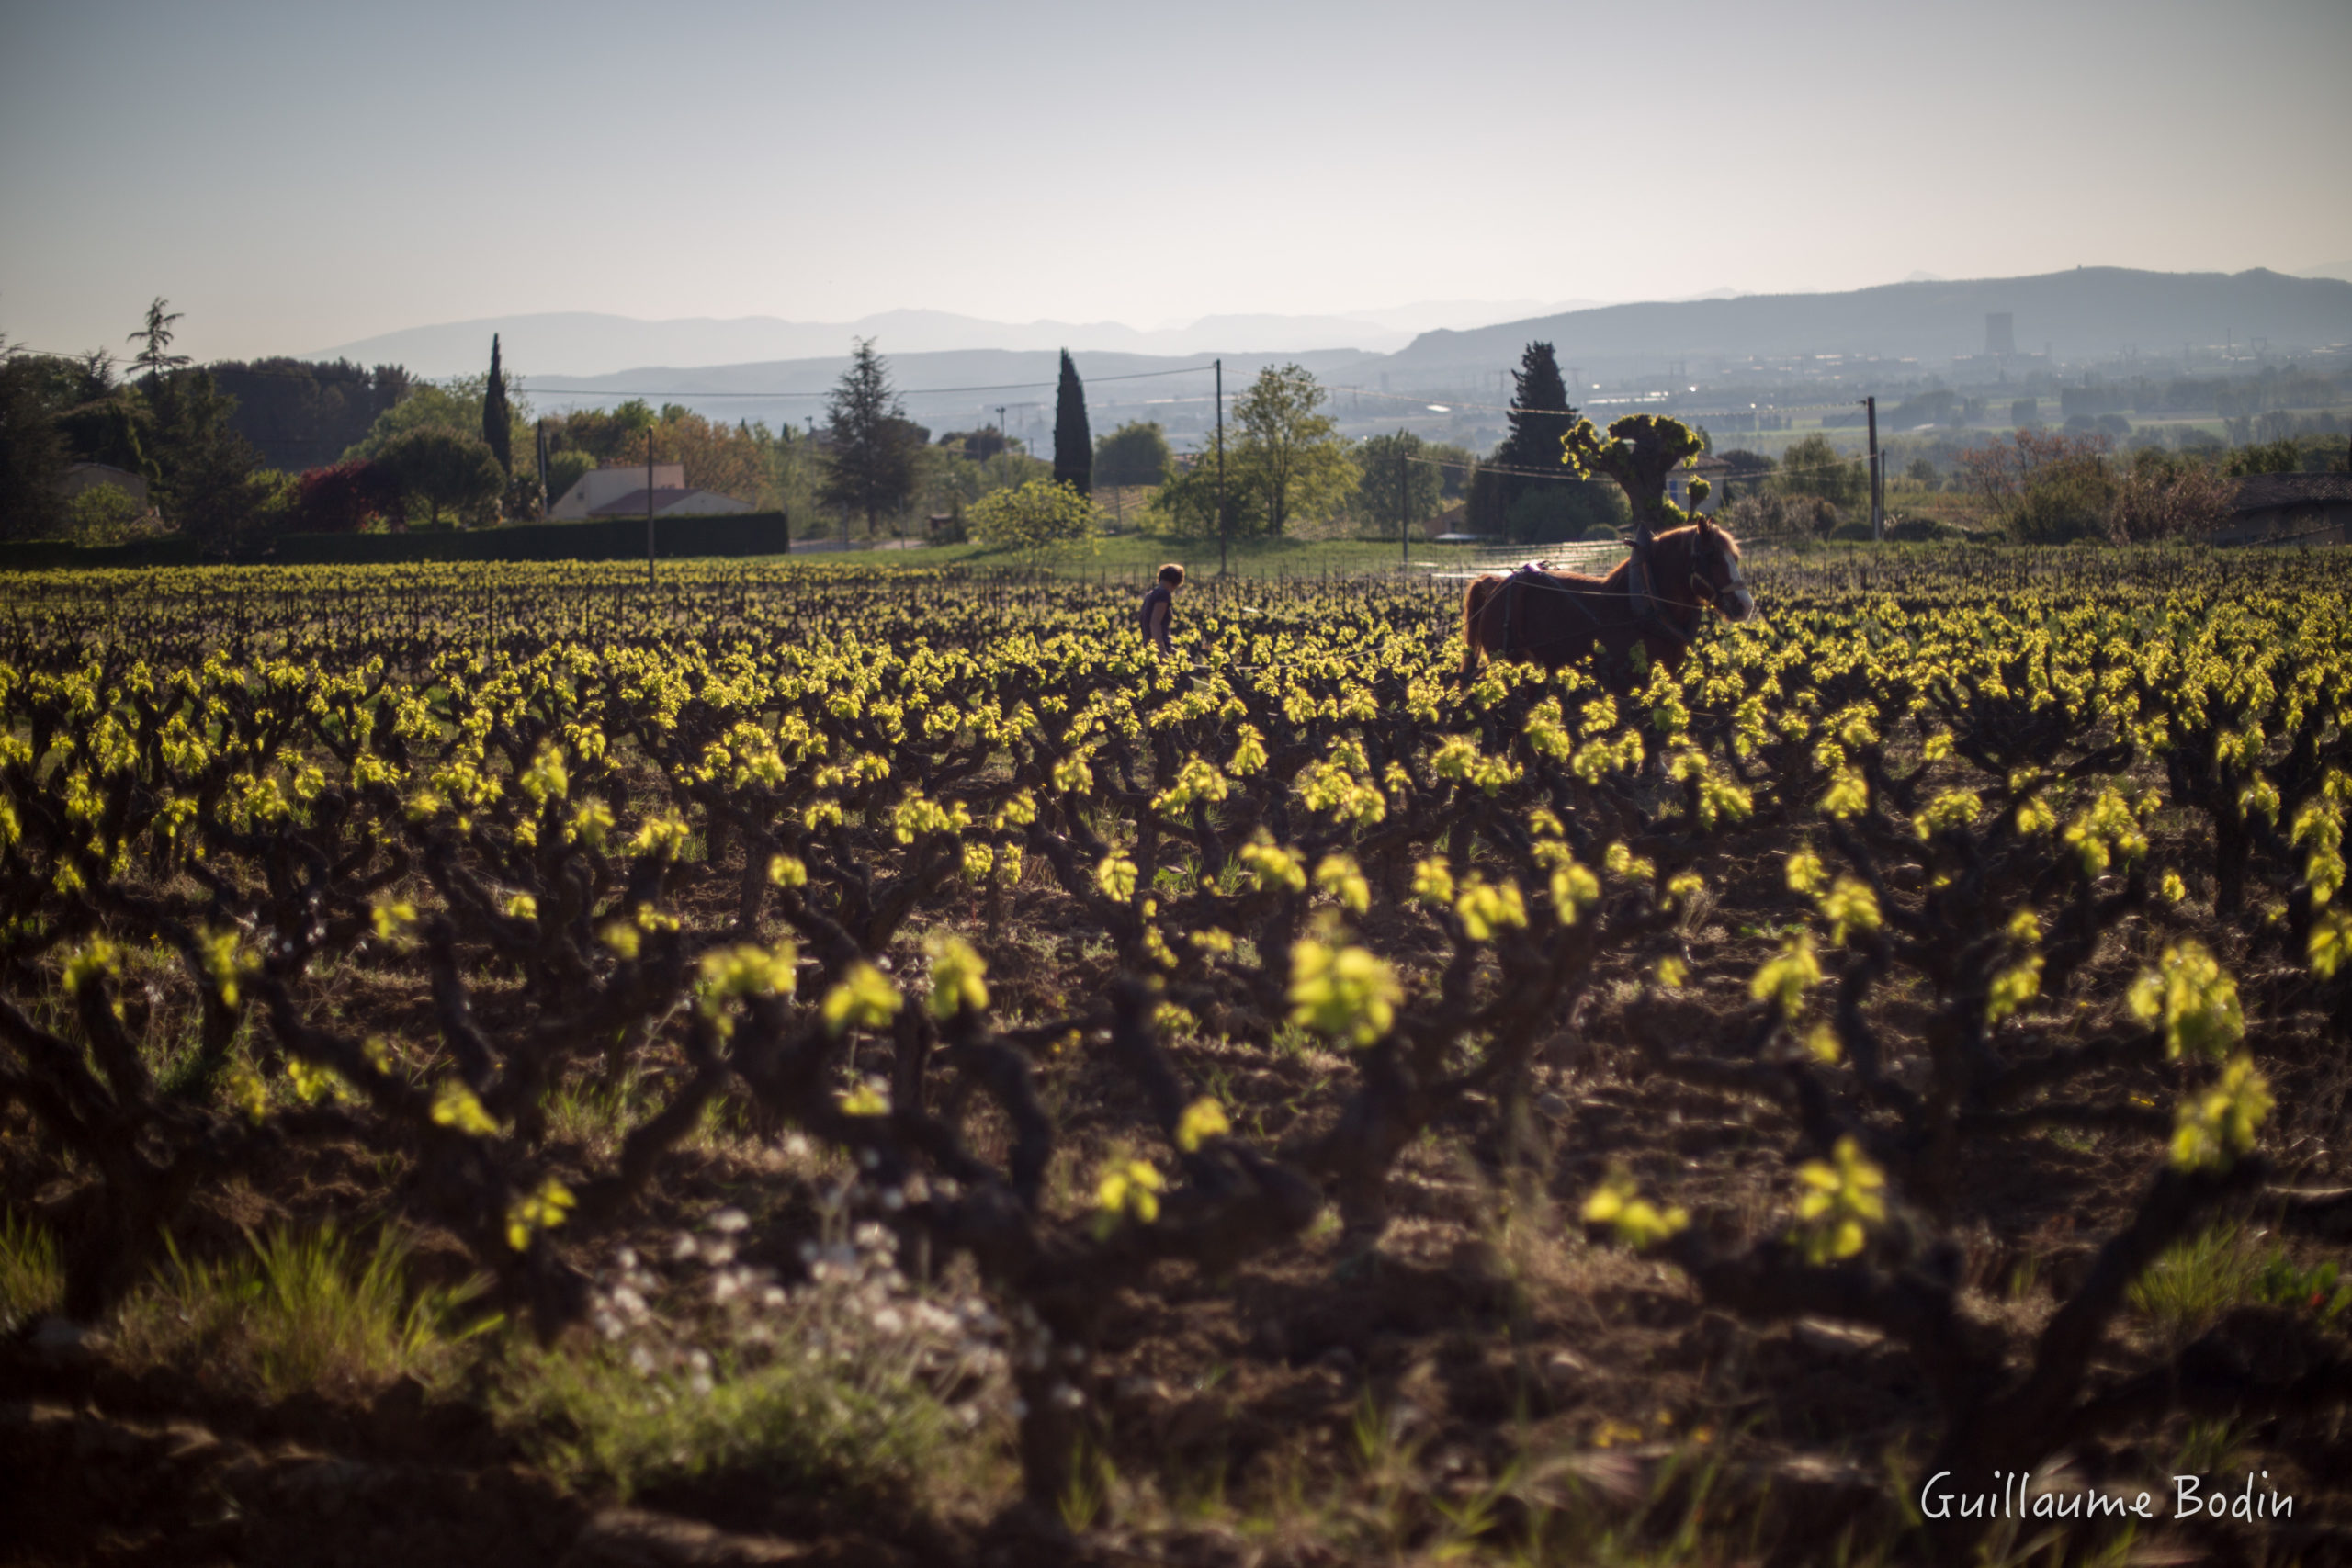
column 1172, row 576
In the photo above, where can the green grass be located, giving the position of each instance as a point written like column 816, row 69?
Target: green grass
column 864, row 1430
column 301, row 1311
column 32, row 1274
column 2187, row 1289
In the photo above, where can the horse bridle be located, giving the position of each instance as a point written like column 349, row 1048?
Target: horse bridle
column 1702, row 584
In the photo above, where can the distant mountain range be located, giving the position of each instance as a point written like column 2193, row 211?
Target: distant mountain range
column 584, row 343
column 956, row 371
column 2089, row 312
column 950, row 389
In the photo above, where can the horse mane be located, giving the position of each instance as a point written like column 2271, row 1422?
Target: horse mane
column 1614, row 580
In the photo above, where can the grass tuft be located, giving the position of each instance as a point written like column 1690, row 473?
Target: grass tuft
column 303, row 1312
column 32, row 1272
column 2187, row 1289
column 604, row 1423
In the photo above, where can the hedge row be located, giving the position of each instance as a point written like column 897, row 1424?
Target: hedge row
column 743, row 534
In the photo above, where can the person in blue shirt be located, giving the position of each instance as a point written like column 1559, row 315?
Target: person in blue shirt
column 1159, row 607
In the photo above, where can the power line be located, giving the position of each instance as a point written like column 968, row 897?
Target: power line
column 903, row 391
column 1752, row 477
column 236, row 368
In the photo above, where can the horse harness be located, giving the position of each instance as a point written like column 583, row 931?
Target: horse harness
column 1534, row 575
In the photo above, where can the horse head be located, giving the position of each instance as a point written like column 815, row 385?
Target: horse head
column 1716, row 577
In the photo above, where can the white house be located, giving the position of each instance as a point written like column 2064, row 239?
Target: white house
column 670, row 501
column 620, row 492
column 599, row 486
column 1713, row 469
column 88, row 476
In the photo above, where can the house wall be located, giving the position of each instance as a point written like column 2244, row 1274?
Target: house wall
column 2324, row 523
column 87, row 476
column 704, row 504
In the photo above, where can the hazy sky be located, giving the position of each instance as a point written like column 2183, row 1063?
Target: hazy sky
column 297, row 174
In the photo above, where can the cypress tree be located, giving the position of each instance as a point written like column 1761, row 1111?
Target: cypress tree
column 1073, row 444
column 497, row 423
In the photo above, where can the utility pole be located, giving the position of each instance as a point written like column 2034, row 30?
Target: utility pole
column 1878, row 512
column 1220, row 467
column 1405, row 507
column 648, row 508
column 546, row 499
column 1003, row 440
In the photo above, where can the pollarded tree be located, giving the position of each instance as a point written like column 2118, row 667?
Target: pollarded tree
column 1638, row 452
column 497, row 420
column 1073, row 443
column 1398, row 484
column 1288, row 451
column 870, row 466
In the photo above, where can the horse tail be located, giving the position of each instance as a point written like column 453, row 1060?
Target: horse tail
column 1474, row 602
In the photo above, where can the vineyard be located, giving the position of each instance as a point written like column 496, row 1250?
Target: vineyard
column 500, row 1063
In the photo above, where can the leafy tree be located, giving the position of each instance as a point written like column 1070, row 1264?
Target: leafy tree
column 947, row 481
column 1038, row 514
column 2046, row 487
column 445, row 469
column 1288, row 454
column 305, row 415
column 2167, row 496
column 565, row 469
column 497, row 419
column 100, row 419
column 2282, row 457
column 1073, row 443
column 103, row 515
column 1747, row 472
column 978, row 445
column 1135, row 453
column 32, row 454
column 1812, row 466
column 454, row 404
column 870, row 466
column 342, row 497
column 154, row 338
column 195, row 446
column 1780, row 517
column 1547, row 511
column 1396, row 486
column 731, row 459
column 223, row 500
column 1455, row 464
column 1185, row 504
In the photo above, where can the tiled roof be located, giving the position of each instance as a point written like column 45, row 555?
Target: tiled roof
column 633, row 503
column 2265, row 492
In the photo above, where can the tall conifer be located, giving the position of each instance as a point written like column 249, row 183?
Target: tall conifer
column 1540, row 415
column 1073, row 443
column 497, row 423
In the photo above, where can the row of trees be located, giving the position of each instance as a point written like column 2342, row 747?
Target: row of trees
column 168, row 425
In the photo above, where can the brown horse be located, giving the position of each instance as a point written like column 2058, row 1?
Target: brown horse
column 1554, row 617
